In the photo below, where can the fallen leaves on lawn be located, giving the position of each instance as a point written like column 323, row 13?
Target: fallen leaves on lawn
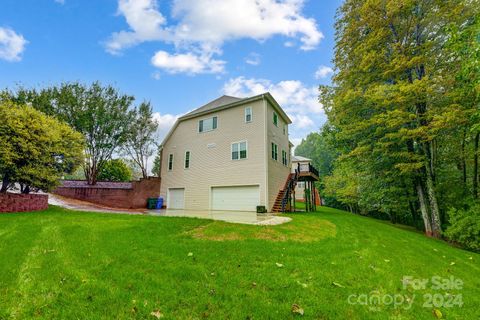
column 157, row 314
column 437, row 313
column 279, row 265
column 190, row 254
column 336, row 284
column 296, row 309
column 452, row 263
column 386, row 260
column 302, row 284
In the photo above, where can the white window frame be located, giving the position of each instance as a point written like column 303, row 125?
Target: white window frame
column 239, row 151
column 202, row 121
column 274, row 151
column 248, row 111
column 275, row 115
column 284, row 158
column 185, row 160
column 170, row 162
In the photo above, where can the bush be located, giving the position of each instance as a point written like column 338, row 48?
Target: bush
column 115, row 170
column 465, row 227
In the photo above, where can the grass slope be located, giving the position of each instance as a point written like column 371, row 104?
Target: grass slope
column 61, row 264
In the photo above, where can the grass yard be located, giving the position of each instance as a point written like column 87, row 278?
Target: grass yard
column 62, row 264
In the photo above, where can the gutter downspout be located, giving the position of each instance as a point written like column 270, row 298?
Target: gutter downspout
column 265, row 105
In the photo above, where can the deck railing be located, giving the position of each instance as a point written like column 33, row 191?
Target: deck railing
column 307, row 168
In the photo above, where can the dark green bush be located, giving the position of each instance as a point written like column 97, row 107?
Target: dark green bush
column 464, row 227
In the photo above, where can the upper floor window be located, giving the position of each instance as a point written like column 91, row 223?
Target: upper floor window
column 170, row 162
column 207, row 124
column 187, row 159
column 248, row 114
column 285, row 129
column 274, row 151
column 284, row 158
column 275, row 118
column 239, row 150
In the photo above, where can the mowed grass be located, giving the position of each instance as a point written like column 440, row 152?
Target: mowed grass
column 61, row 264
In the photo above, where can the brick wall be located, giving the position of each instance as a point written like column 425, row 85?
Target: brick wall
column 111, row 194
column 13, row 202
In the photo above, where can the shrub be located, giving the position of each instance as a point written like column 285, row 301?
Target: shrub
column 465, row 227
column 115, row 170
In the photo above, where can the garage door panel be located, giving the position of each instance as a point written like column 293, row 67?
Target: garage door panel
column 238, row 198
column 176, row 198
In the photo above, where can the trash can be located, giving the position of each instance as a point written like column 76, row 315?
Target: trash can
column 152, row 203
column 159, row 203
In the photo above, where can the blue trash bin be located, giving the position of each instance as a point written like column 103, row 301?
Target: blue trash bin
column 159, row 203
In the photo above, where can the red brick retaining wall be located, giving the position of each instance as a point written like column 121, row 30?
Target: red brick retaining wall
column 14, row 202
column 129, row 195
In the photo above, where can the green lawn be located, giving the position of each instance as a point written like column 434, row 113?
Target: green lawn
column 61, row 264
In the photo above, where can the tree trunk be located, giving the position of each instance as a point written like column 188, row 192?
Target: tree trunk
column 424, row 209
column 430, row 186
column 475, row 166
column 5, row 184
column 464, row 163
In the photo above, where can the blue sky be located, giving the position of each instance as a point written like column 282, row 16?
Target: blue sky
column 177, row 54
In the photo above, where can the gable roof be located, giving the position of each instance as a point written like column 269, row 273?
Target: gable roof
column 300, row 159
column 226, row 102
column 212, row 105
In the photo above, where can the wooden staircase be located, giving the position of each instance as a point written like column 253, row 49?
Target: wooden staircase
column 284, row 194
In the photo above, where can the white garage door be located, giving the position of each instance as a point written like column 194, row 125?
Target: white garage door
column 176, row 198
column 239, row 198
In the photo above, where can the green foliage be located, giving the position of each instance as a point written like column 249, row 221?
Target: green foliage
column 156, row 166
column 100, row 113
column 36, row 150
column 401, row 108
column 464, row 227
column 140, row 143
column 115, row 170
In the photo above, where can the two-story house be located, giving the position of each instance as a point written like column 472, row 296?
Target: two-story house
column 230, row 154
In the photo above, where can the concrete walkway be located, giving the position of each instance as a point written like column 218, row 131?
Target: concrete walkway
column 227, row 216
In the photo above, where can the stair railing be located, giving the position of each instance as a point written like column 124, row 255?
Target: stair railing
column 291, row 184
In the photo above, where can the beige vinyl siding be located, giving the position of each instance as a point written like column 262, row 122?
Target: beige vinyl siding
column 277, row 172
column 211, row 163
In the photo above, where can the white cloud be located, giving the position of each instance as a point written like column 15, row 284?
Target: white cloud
column 323, row 72
column 205, row 25
column 187, row 63
column 145, row 22
column 299, row 101
column 253, row 59
column 165, row 123
column 12, row 45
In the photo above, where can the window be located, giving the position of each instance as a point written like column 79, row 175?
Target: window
column 285, row 129
column 274, row 152
column 187, row 159
column 275, row 119
column 248, row 114
column 207, row 124
column 284, row 158
column 239, row 150
column 301, row 184
column 170, row 162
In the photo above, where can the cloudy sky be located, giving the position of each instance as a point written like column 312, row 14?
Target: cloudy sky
column 179, row 54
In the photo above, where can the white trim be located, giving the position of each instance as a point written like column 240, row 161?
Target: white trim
column 185, row 159
column 266, row 152
column 251, row 114
column 168, row 161
column 204, row 119
column 246, row 150
column 273, row 119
